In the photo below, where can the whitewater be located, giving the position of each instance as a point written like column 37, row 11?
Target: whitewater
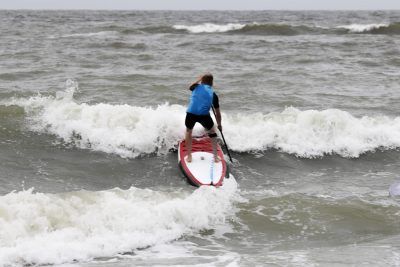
column 52, row 229
column 130, row 131
column 290, row 29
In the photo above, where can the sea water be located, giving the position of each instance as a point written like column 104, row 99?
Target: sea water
column 92, row 105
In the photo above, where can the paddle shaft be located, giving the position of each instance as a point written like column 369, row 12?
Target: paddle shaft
column 223, row 138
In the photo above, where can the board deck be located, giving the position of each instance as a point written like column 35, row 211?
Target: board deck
column 203, row 170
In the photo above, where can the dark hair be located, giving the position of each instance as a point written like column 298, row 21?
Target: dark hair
column 207, row 79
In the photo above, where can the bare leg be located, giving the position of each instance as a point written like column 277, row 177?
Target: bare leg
column 214, row 145
column 188, row 144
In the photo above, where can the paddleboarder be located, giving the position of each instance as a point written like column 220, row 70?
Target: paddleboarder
column 202, row 99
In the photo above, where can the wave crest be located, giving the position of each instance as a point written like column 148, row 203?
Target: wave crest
column 43, row 229
column 287, row 29
column 130, row 131
column 210, row 27
column 393, row 28
column 313, row 133
column 254, row 28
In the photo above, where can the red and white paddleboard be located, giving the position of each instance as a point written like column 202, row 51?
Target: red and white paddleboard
column 203, row 170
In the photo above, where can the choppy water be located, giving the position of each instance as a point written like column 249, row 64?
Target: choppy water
column 92, row 105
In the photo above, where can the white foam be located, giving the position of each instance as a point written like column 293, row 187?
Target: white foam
column 130, row 130
column 121, row 129
column 312, row 133
column 210, row 27
column 188, row 253
column 37, row 228
column 88, row 34
column 359, row 28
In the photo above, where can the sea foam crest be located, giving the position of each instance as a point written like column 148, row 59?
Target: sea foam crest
column 312, row 133
column 210, row 27
column 41, row 229
column 120, row 129
column 362, row 28
column 89, row 34
column 130, row 130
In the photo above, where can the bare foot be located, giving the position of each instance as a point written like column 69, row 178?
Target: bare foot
column 189, row 158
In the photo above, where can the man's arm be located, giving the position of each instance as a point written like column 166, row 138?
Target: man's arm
column 219, row 118
column 193, row 85
column 217, row 111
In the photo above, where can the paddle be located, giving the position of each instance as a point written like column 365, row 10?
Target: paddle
column 223, row 138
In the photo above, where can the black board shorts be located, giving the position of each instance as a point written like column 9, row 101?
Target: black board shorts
column 204, row 120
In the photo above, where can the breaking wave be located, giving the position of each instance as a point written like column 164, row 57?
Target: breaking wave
column 210, row 27
column 313, row 133
column 393, row 28
column 45, row 229
column 360, row 28
column 130, row 131
column 286, row 29
column 254, row 28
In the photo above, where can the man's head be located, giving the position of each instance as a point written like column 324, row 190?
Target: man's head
column 207, row 79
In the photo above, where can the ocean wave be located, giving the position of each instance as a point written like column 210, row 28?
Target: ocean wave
column 382, row 28
column 313, row 133
column 154, row 29
column 88, row 34
column 210, row 27
column 361, row 28
column 278, row 29
column 252, row 28
column 44, row 229
column 287, row 29
column 126, row 30
column 130, row 131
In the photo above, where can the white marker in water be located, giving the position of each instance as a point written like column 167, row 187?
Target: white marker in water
column 394, row 189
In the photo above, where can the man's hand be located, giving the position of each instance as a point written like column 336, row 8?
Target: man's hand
column 193, row 85
column 198, row 81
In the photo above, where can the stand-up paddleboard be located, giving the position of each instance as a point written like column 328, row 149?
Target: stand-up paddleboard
column 203, row 170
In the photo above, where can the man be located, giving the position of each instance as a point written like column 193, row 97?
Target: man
column 202, row 99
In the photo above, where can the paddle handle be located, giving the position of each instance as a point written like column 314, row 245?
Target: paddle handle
column 223, row 138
